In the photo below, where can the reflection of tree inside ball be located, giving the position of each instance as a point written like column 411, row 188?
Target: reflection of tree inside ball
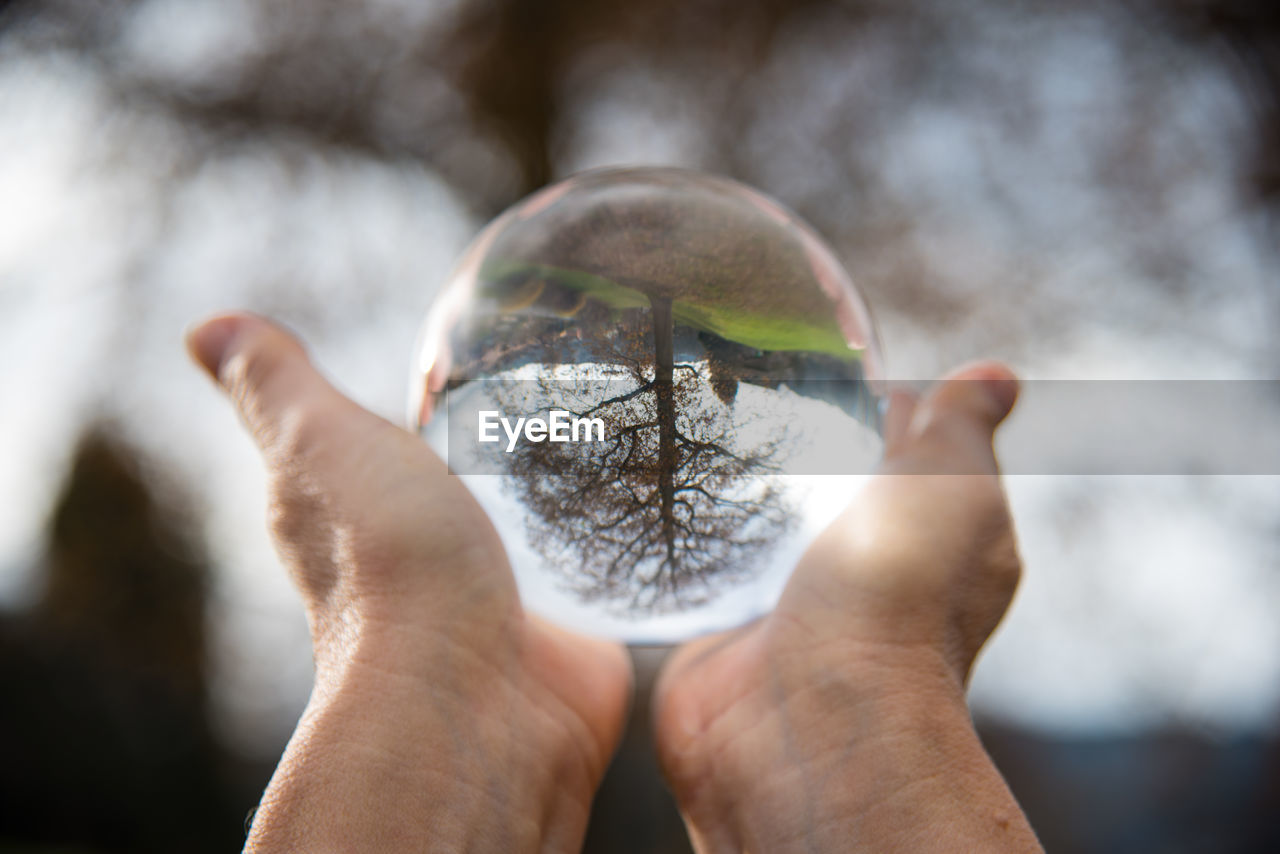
column 710, row 333
column 668, row 506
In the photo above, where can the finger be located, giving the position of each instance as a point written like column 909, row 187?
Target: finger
column 902, row 406
column 347, row 486
column 984, row 392
column 952, row 428
column 596, row 674
column 267, row 374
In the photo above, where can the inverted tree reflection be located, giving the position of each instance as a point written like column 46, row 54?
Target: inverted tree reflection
column 672, row 507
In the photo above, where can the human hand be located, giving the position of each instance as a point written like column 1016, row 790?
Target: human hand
column 443, row 716
column 838, row 721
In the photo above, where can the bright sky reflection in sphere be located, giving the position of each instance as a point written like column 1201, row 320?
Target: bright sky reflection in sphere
column 715, row 376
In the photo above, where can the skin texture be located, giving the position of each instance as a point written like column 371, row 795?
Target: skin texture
column 838, row 722
column 445, row 718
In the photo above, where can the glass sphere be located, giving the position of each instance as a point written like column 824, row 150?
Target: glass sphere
column 660, row 385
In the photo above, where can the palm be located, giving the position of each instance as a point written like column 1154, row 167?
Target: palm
column 870, row 590
column 421, row 644
column 586, row 681
column 583, row 680
column 581, row 683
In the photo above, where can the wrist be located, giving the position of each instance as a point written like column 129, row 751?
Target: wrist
column 880, row 755
column 438, row 749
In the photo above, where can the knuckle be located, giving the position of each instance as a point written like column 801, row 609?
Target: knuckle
column 952, row 438
column 303, row 431
column 294, row 509
column 252, row 367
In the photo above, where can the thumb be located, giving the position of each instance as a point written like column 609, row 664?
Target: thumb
column 266, row 372
column 951, row 428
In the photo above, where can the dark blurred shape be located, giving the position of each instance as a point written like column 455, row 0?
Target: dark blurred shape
column 1176, row 791
column 124, row 575
column 104, row 731
column 381, row 81
column 510, row 56
column 633, row 812
column 1250, row 29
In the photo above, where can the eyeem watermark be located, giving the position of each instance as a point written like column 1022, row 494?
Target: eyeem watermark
column 560, row 425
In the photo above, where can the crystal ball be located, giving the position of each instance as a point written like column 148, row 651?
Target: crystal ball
column 660, row 385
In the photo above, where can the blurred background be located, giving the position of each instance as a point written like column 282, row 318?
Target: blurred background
column 1087, row 190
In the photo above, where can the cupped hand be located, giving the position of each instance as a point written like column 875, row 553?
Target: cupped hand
column 838, row 721
column 443, row 716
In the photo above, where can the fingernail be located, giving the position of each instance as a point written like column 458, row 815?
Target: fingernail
column 210, row 342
